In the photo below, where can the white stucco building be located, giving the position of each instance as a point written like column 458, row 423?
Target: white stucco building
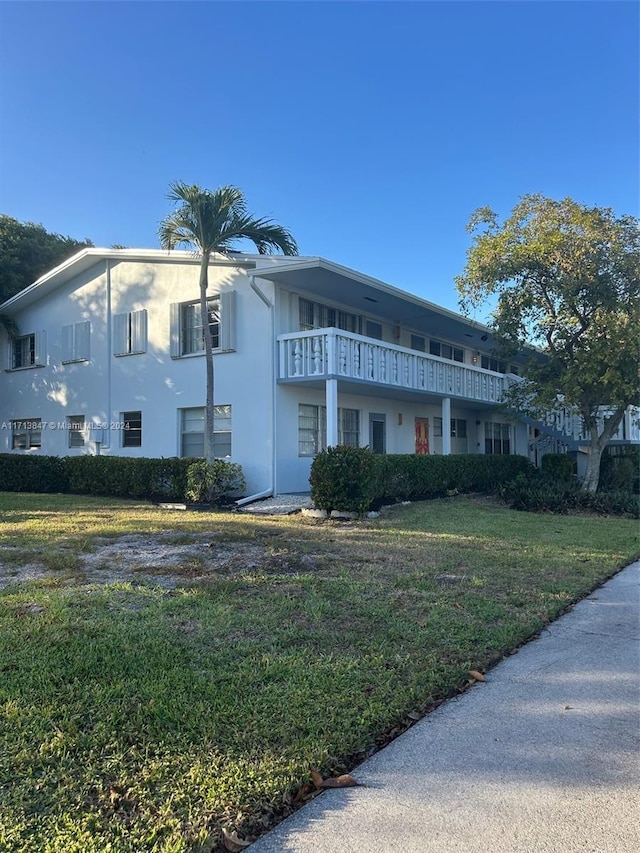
column 308, row 354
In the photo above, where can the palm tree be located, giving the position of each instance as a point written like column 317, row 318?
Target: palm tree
column 212, row 221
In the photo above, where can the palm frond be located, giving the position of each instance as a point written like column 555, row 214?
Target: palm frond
column 214, row 220
column 8, row 323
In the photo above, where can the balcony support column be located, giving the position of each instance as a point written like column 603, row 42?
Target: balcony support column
column 331, row 390
column 446, row 426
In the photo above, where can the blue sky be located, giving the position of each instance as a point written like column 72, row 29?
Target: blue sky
column 372, row 130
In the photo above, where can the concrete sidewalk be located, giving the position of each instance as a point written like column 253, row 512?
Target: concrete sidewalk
column 544, row 756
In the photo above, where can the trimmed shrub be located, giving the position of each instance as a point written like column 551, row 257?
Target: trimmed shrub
column 345, row 478
column 354, row 478
column 20, row 473
column 115, row 476
column 559, row 467
column 213, row 482
column 126, row 477
column 408, row 477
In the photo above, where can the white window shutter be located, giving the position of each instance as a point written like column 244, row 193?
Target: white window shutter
column 228, row 320
column 41, row 348
column 120, row 334
column 82, row 342
column 139, row 331
column 67, row 343
column 174, row 330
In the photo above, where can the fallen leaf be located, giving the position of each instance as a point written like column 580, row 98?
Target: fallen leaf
column 344, row 781
column 414, row 715
column 302, row 792
column 316, row 778
column 477, row 675
column 232, row 842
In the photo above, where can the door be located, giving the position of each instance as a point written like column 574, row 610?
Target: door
column 422, row 436
column 377, row 432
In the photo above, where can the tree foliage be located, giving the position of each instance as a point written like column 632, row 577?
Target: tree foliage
column 567, row 281
column 27, row 251
column 213, row 221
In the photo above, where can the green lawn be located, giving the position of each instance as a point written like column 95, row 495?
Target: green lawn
column 145, row 717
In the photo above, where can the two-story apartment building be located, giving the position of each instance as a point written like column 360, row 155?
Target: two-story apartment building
column 307, row 354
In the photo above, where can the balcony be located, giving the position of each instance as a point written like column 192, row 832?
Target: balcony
column 334, row 354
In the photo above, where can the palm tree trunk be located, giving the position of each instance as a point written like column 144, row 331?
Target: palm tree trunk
column 208, row 356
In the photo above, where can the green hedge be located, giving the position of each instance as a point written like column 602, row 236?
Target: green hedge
column 126, row 477
column 559, row 466
column 620, row 469
column 354, row 479
column 111, row 476
column 20, row 473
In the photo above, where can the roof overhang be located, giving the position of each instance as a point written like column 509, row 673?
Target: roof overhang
column 362, row 294
column 87, row 258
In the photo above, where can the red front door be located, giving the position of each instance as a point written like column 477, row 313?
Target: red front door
column 422, row 436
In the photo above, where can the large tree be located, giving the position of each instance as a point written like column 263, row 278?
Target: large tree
column 27, row 251
column 212, row 222
column 567, row 281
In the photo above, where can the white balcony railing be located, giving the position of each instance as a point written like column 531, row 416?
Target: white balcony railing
column 324, row 353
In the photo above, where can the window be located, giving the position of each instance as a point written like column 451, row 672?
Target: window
column 187, row 331
column 24, row 351
column 192, row 432
column 313, row 315
column 497, row 438
column 374, row 330
column 446, row 351
column 27, row 351
column 75, row 428
column 349, row 427
column 458, row 427
column 312, row 436
column 130, row 333
column 75, row 342
column 312, row 428
column 192, row 329
column 132, row 430
column 495, row 364
column 26, row 434
column 418, row 342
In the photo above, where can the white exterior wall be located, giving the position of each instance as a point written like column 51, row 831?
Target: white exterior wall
column 151, row 382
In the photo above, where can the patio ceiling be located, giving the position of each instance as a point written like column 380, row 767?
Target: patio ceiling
column 326, row 281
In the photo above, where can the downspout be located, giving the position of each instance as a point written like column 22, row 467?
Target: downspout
column 272, row 489
column 106, row 444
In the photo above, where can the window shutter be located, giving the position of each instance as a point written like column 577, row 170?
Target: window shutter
column 67, row 343
column 75, row 341
column 139, row 331
column 41, row 348
column 228, row 320
column 174, row 330
column 83, row 337
column 120, row 323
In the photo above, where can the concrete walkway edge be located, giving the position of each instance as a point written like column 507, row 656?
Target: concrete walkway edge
column 541, row 758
